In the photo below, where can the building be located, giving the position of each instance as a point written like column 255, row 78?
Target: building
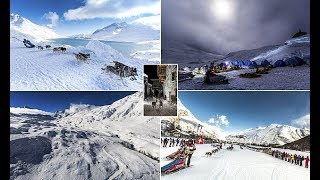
column 168, row 77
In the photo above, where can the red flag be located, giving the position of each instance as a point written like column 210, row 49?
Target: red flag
column 199, row 140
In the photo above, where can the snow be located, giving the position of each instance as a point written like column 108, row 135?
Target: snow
column 89, row 142
column 272, row 134
column 25, row 26
column 236, row 164
column 188, row 122
column 123, row 32
column 33, row 69
column 153, row 52
column 18, row 110
column 280, row 78
column 299, row 47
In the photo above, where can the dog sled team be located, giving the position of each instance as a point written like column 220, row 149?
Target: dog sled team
column 213, row 151
column 122, row 70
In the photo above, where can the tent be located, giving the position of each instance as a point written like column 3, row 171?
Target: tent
column 279, row 63
column 265, row 63
column 294, row 61
column 253, row 65
column 235, row 63
column 306, row 59
column 248, row 63
column 240, row 63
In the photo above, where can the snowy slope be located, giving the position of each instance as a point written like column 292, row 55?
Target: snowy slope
column 28, row 28
column 238, row 164
column 108, row 144
column 124, row 118
column 272, row 134
column 189, row 123
column 299, row 47
column 176, row 52
column 18, row 110
column 32, row 69
column 123, row 32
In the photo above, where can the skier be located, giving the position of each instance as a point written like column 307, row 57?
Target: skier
column 173, row 142
column 170, row 142
column 177, row 143
column 307, row 162
column 190, row 148
column 292, row 158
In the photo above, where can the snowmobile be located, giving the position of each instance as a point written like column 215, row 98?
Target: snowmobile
column 176, row 165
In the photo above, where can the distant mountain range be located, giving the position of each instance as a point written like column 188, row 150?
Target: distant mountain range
column 124, row 32
column 21, row 27
column 272, row 134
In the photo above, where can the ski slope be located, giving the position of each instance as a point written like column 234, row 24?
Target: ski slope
column 238, row 164
column 85, row 142
column 33, row 69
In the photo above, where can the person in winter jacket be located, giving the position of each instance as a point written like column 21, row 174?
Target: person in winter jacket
column 299, row 160
column 307, row 162
column 302, row 159
column 190, row 148
column 292, row 158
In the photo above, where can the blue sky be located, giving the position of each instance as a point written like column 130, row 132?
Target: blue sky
column 69, row 17
column 248, row 109
column 60, row 100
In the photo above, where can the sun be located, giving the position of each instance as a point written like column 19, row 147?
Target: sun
column 222, row 9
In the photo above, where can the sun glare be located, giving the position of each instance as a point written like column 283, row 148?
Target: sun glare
column 222, row 9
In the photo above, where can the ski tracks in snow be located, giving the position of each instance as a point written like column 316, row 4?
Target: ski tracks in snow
column 119, row 163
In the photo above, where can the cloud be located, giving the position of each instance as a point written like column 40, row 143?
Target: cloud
column 153, row 21
column 53, row 17
column 113, row 9
column 219, row 120
column 302, row 122
column 239, row 25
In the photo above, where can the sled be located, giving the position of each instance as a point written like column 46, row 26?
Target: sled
column 185, row 76
column 216, row 79
column 176, row 165
column 28, row 44
column 174, row 155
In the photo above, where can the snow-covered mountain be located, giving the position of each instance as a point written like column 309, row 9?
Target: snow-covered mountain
column 85, row 142
column 299, row 46
column 123, row 32
column 177, row 52
column 189, row 124
column 272, row 134
column 27, row 110
column 20, row 26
